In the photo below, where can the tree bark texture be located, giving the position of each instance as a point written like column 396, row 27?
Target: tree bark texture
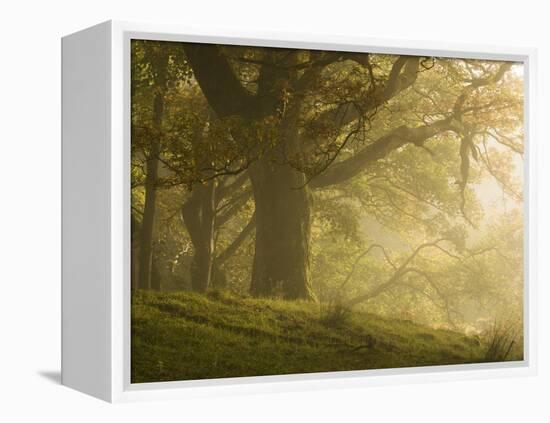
column 199, row 214
column 283, row 230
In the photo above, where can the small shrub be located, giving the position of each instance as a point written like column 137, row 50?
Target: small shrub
column 215, row 294
column 335, row 313
column 500, row 340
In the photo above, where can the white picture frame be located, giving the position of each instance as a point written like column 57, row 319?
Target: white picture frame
column 96, row 227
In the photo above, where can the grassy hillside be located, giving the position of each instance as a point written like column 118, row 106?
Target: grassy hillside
column 180, row 336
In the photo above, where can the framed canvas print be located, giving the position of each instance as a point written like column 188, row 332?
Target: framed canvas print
column 253, row 212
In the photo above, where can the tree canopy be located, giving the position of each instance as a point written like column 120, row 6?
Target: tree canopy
column 391, row 183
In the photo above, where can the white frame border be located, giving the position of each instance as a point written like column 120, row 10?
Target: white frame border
column 121, row 388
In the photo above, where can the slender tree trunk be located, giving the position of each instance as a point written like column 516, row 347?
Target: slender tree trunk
column 218, row 278
column 134, row 251
column 151, row 179
column 283, row 231
column 147, row 224
column 199, row 214
column 192, row 212
column 155, row 274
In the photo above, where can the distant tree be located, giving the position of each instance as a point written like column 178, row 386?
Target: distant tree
column 155, row 66
column 172, row 138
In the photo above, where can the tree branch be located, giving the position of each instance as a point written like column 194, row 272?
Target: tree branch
column 363, row 254
column 402, row 75
column 229, row 189
column 403, row 135
column 237, row 242
column 346, row 169
column 222, row 89
column 401, row 271
column 234, row 207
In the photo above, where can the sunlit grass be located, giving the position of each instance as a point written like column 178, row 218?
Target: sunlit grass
column 182, row 336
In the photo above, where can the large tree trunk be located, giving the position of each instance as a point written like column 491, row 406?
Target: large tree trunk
column 199, row 214
column 283, row 209
column 283, row 231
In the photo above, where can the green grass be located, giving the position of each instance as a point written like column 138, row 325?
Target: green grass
column 183, row 336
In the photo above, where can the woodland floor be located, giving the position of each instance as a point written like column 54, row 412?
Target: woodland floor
column 183, row 336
